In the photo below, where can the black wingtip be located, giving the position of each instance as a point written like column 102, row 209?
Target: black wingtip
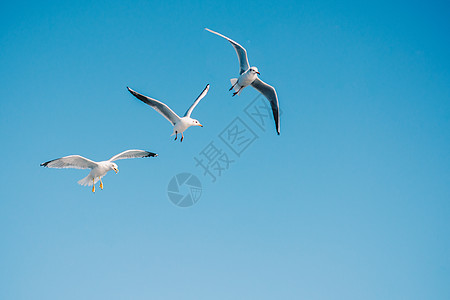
column 45, row 164
column 132, row 92
column 151, row 154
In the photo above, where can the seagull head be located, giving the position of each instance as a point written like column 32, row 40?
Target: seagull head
column 195, row 123
column 114, row 167
column 254, row 70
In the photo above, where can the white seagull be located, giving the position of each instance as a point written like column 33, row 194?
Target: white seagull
column 98, row 169
column 249, row 76
column 180, row 124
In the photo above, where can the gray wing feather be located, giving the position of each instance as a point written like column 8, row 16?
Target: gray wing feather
column 132, row 154
column 71, row 161
column 271, row 95
column 200, row 97
column 241, row 52
column 160, row 107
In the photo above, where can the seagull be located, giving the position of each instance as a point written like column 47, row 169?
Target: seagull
column 98, row 169
column 249, row 76
column 180, row 124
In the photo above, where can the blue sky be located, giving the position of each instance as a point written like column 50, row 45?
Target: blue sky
column 351, row 201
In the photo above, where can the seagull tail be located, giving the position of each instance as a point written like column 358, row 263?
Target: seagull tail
column 235, row 85
column 87, row 180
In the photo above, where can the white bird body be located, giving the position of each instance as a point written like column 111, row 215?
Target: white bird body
column 98, row 172
column 179, row 124
column 248, row 77
column 98, row 169
column 183, row 124
column 244, row 80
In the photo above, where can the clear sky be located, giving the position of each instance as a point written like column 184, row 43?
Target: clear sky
column 351, row 201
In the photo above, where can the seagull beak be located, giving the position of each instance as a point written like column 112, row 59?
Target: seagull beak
column 200, row 125
column 115, row 170
column 258, row 73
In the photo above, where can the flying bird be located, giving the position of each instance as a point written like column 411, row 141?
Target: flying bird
column 179, row 124
column 249, row 76
column 98, row 169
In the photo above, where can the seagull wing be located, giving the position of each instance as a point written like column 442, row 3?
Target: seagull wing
column 271, row 95
column 71, row 161
column 241, row 52
column 200, row 97
column 160, row 107
column 132, row 154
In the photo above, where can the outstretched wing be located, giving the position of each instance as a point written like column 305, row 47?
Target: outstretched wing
column 241, row 52
column 132, row 154
column 271, row 95
column 200, row 97
column 71, row 161
column 160, row 107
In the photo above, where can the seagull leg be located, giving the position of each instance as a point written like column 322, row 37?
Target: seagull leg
column 232, row 86
column 235, row 93
column 182, row 137
column 93, row 185
column 176, row 135
column 101, row 183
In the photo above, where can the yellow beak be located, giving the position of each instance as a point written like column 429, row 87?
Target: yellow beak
column 115, row 170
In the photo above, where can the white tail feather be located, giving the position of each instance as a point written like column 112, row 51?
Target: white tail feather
column 87, row 180
column 235, row 85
